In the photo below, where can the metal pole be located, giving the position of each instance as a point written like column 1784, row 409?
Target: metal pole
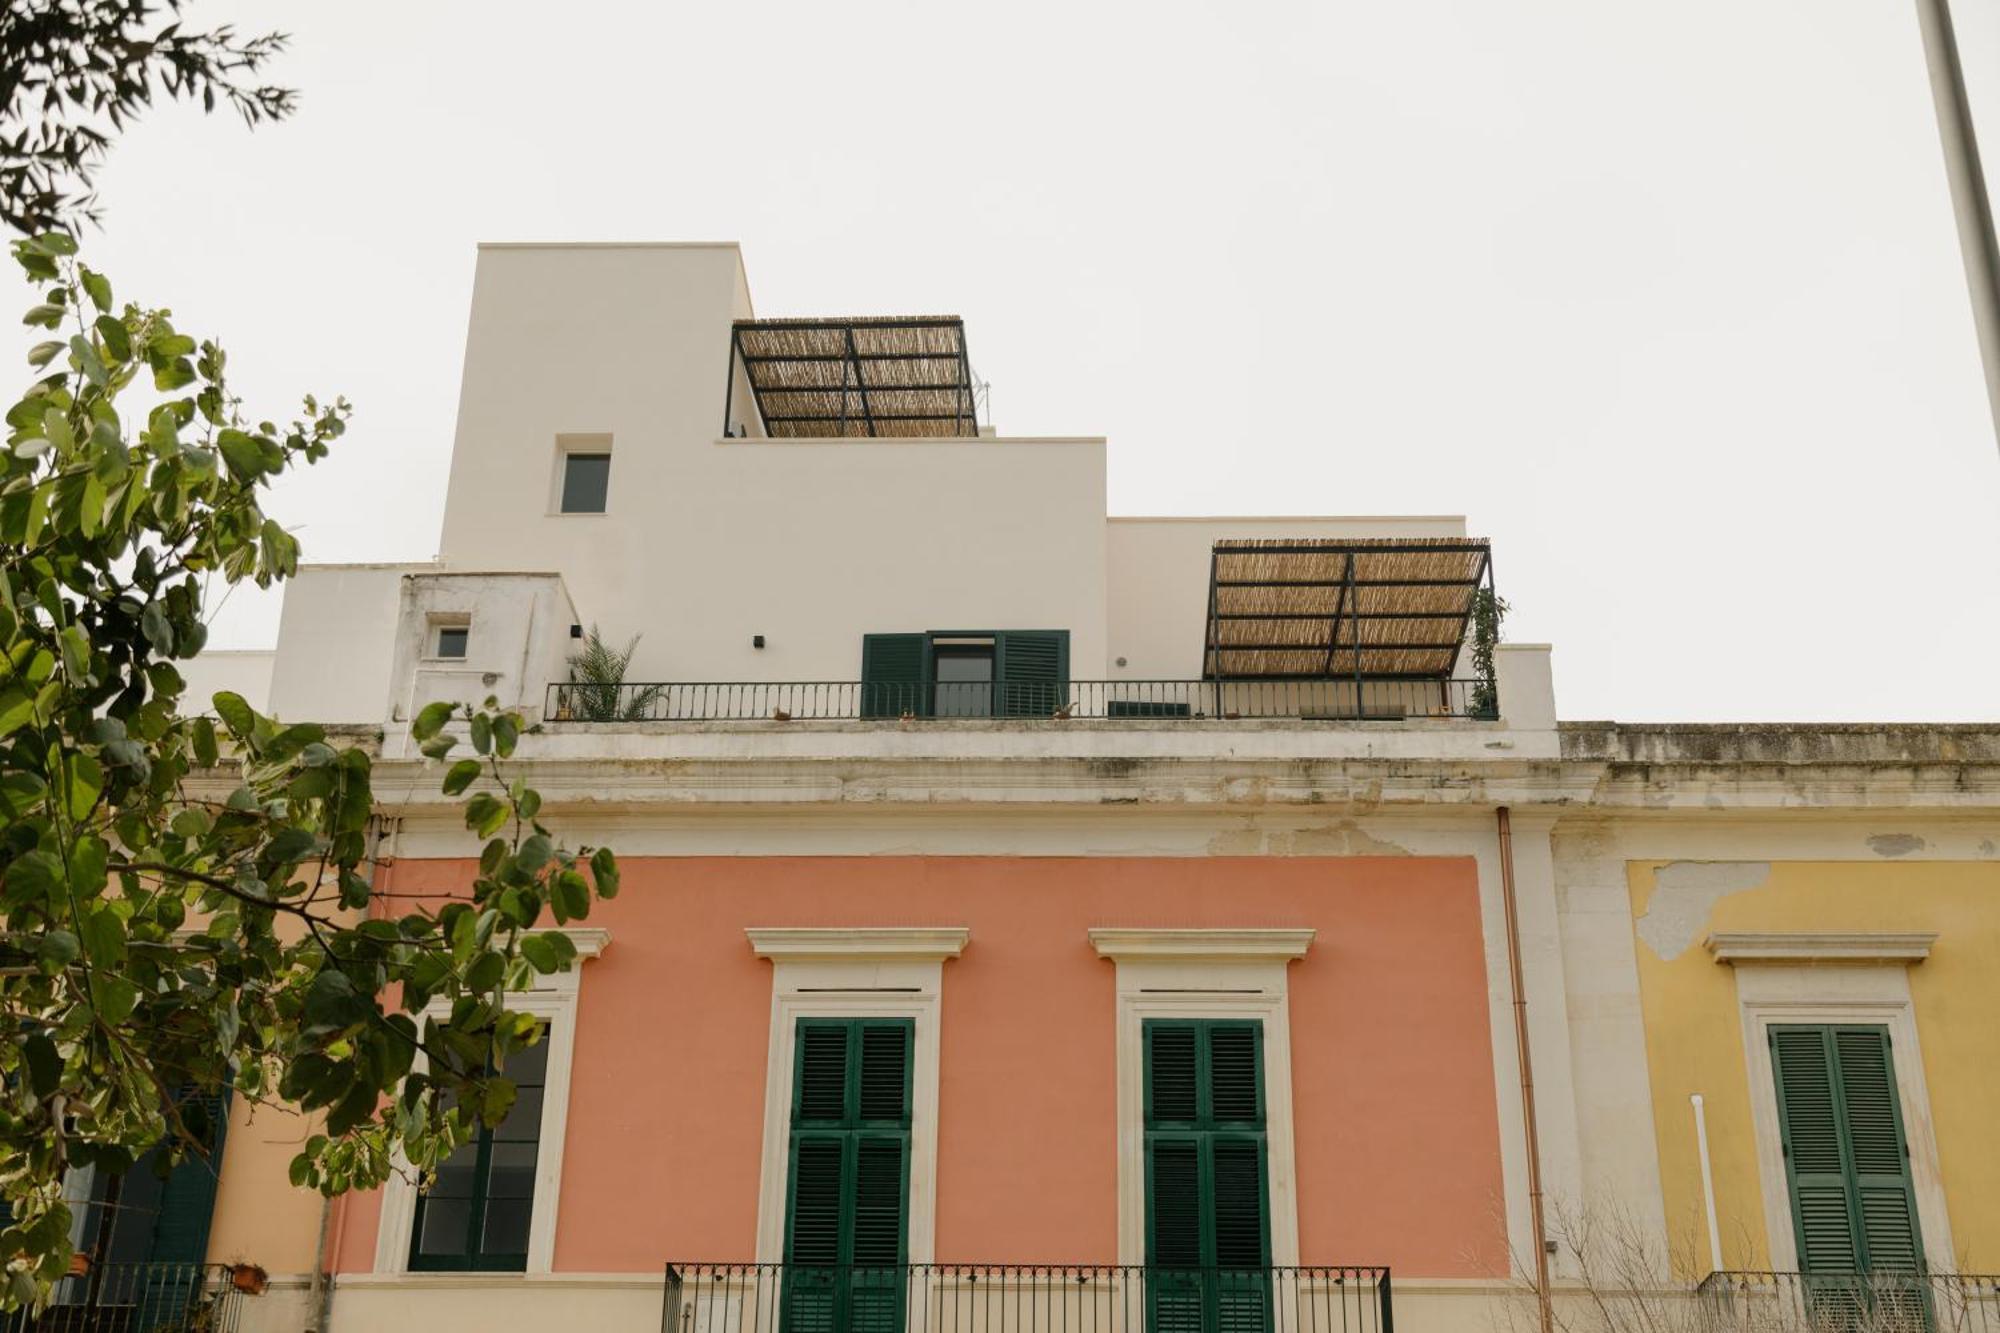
column 1536, row 1220
column 1968, row 189
column 1707, row 1183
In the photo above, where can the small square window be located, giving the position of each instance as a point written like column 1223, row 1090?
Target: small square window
column 586, row 482
column 451, row 640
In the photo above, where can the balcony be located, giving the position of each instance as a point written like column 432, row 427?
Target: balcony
column 135, row 1298
column 1346, row 699
column 1873, row 1302
column 1023, row 1298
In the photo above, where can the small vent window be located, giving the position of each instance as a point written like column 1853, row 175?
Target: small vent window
column 586, row 483
column 451, row 640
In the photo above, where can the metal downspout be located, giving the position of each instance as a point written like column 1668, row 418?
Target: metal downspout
column 1535, row 1211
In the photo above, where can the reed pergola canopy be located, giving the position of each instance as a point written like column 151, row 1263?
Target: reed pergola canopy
column 856, row 378
column 1314, row 608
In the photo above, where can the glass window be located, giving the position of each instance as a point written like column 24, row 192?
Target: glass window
column 964, row 679
column 586, row 483
column 476, row 1214
column 451, row 640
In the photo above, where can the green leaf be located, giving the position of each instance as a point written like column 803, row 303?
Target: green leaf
column 245, row 459
column 462, row 775
column 235, row 714
column 42, row 353
column 17, row 706
column 535, row 853
column 58, row 949
column 482, row 733
column 103, row 936
column 604, row 869
column 117, row 997
column 117, row 339
column 33, row 877
column 43, row 316
column 206, row 752
column 485, row 815
column 569, row 895
column 538, row 951
column 431, row 720
column 44, row 1064
column 97, row 286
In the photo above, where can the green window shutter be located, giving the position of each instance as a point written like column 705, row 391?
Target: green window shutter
column 1853, row 1208
column 187, row 1197
column 1881, row 1161
column 1030, row 671
column 895, row 674
column 1208, row 1231
column 847, row 1214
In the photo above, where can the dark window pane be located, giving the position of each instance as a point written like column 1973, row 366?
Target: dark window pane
column 511, row 1173
column 506, row 1227
column 524, row 1122
column 444, row 1226
column 451, row 640
column 964, row 682
column 454, row 1177
column 586, row 483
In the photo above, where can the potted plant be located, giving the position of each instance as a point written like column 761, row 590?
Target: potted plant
column 249, row 1278
column 597, row 690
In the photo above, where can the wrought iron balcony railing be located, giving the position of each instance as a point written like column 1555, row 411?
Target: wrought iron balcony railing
column 1881, row 1301
column 1342, row 699
column 135, row 1298
column 1024, row 1298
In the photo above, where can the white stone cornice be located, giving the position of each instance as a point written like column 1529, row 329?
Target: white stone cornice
column 1255, row 944
column 858, row 943
column 1766, row 946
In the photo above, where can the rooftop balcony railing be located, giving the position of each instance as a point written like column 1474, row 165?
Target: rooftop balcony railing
column 1882, row 1301
column 1023, row 1298
column 1345, row 699
column 135, row 1298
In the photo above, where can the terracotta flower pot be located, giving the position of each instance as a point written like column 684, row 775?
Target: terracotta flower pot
column 250, row 1279
column 79, row 1265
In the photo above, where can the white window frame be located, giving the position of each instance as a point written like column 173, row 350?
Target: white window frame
column 553, row 1000
column 1833, row 979
column 438, row 621
column 1204, row 974
column 578, row 444
column 858, row 972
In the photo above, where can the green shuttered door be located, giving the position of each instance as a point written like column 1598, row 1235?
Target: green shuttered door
column 1032, row 667
column 847, row 1216
column 1208, row 1235
column 1852, row 1204
column 895, row 674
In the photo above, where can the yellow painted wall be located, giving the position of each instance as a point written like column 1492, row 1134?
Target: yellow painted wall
column 1694, row 1037
column 260, row 1217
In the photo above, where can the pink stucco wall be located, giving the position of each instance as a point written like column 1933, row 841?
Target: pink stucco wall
column 1393, row 1092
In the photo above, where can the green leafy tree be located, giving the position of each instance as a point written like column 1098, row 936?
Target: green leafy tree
column 185, row 903
column 75, row 72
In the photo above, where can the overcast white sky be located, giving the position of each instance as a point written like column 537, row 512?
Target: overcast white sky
column 1664, row 296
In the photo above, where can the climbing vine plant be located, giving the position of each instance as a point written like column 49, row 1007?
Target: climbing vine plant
column 1488, row 610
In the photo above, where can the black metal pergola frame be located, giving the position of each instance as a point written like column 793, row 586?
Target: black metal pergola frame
column 854, row 383
column 1347, row 609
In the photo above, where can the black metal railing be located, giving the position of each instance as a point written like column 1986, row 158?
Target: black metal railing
column 1345, row 699
column 135, row 1298
column 1882, row 1301
column 1023, row 1298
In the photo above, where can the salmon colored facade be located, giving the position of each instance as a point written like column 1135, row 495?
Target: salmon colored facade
column 1393, row 1087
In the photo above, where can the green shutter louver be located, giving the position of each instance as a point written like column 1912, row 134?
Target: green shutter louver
column 1031, row 667
column 1853, row 1207
column 1208, row 1231
column 895, row 675
column 187, row 1196
column 847, row 1217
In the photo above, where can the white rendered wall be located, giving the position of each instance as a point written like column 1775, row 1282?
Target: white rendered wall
column 336, row 642
column 242, row 671
column 517, row 640
column 709, row 541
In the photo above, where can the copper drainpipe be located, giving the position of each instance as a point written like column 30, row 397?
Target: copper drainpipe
column 1536, row 1221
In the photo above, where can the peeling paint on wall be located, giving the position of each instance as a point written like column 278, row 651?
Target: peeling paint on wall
column 1895, row 844
column 1683, row 894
